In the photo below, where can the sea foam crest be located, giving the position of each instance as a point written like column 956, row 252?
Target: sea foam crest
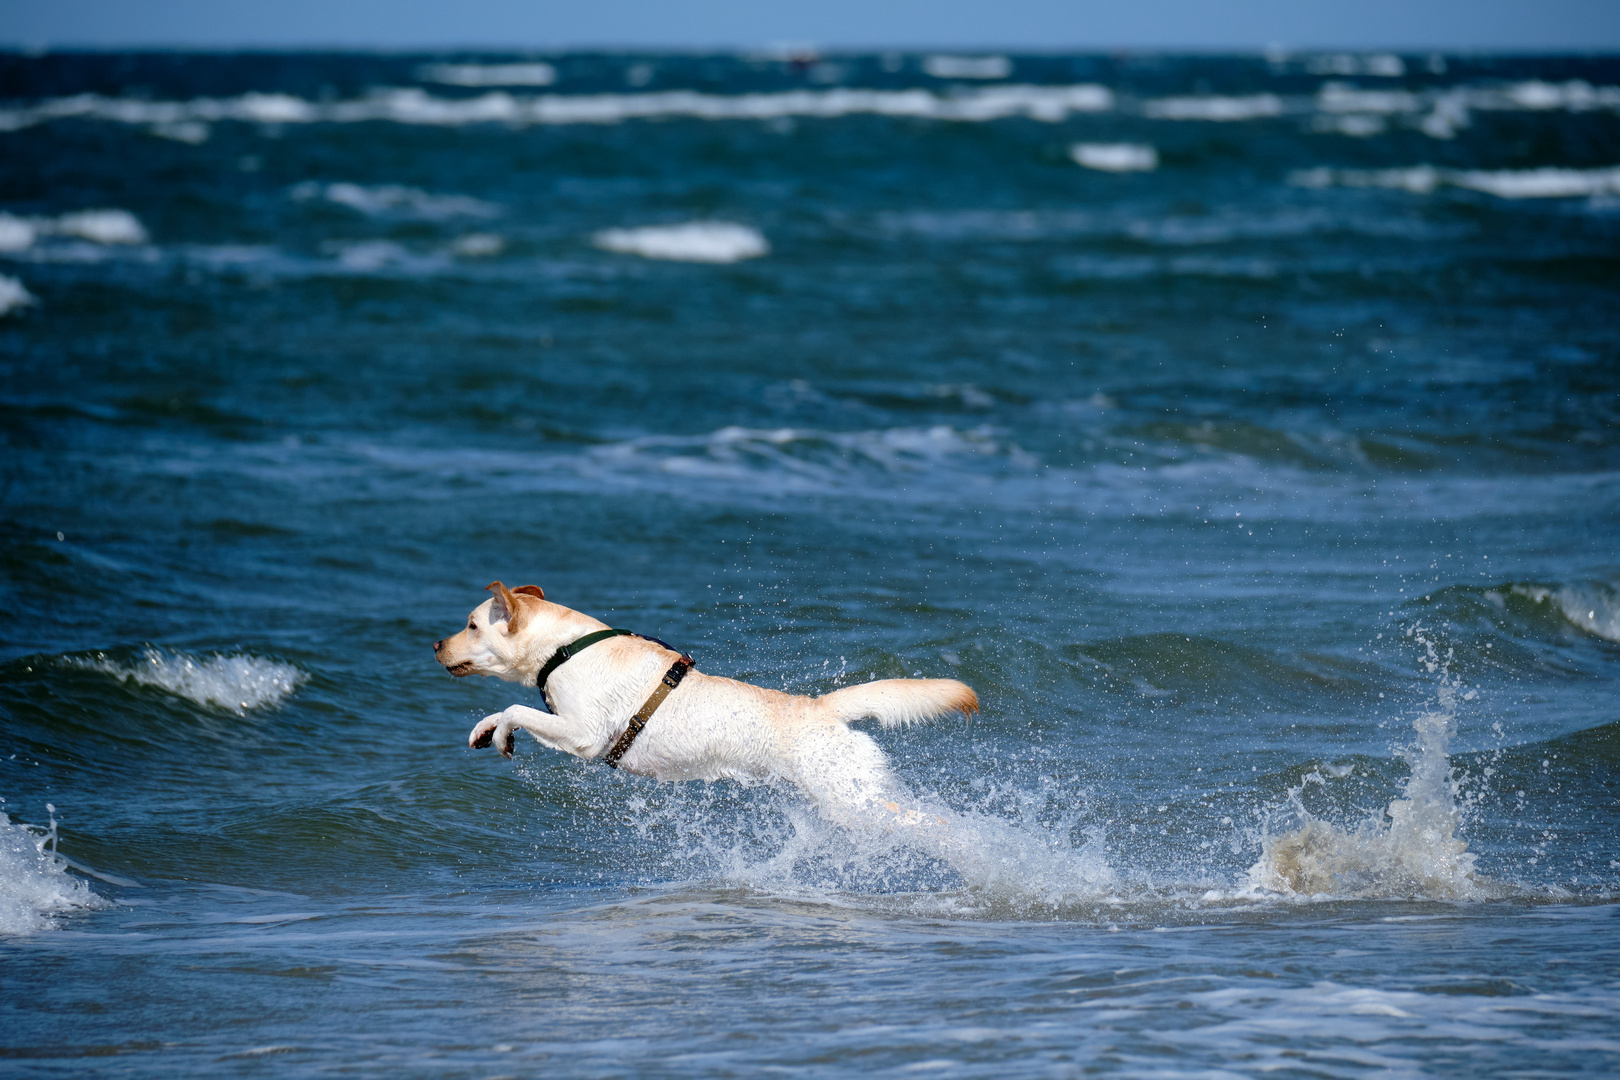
column 14, row 296
column 105, row 226
column 1593, row 606
column 693, row 241
column 410, row 105
column 34, row 882
column 394, row 199
column 1546, row 183
column 1115, row 157
column 236, row 682
column 1411, row 850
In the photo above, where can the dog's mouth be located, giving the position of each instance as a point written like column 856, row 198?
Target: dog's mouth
column 463, row 668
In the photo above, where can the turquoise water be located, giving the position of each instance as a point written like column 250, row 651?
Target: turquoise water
column 1243, row 430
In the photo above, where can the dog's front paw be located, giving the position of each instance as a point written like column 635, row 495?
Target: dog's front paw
column 493, row 730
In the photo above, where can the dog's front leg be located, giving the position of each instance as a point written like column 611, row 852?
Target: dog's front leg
column 499, row 730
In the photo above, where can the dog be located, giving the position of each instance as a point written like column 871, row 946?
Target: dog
column 701, row 727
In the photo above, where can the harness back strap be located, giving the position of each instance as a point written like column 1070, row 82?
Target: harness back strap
column 672, row 678
column 573, row 648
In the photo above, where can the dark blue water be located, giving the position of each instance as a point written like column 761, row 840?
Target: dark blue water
column 1246, row 431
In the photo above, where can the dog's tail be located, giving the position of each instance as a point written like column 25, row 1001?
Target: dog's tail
column 897, row 702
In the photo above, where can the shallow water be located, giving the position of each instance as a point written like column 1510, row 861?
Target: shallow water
column 1243, row 431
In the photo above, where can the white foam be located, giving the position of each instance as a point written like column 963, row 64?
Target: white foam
column 395, row 199
column 528, row 74
column 693, row 241
column 16, row 234
column 236, row 682
column 1214, row 108
column 1410, row 850
column 478, row 245
column 1355, row 125
column 1592, row 606
column 1343, row 98
column 191, row 132
column 1377, row 65
column 1115, row 157
column 34, row 882
column 415, row 106
column 1548, row 183
column 942, row 66
column 105, row 226
column 14, row 296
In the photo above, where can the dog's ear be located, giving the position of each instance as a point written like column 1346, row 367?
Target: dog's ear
column 531, row 590
column 505, row 607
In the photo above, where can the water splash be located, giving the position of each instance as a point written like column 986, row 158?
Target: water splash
column 34, row 882
column 1411, row 849
column 237, row 683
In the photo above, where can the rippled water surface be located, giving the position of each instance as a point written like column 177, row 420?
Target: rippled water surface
column 1243, row 430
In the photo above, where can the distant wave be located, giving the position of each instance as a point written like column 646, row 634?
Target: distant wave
column 415, row 106
column 1341, row 107
column 1545, row 183
column 237, row 682
column 693, row 241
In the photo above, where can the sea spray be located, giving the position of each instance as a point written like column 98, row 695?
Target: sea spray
column 236, row 682
column 34, row 880
column 1410, row 850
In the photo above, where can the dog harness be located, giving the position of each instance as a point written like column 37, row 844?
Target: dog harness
column 672, row 678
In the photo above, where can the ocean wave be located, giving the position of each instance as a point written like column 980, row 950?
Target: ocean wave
column 1437, row 111
column 395, row 200
column 1214, row 108
column 531, row 73
column 1544, row 183
column 415, row 106
column 1115, row 157
column 14, row 296
column 235, row 682
column 34, row 882
column 944, row 66
column 106, row 226
column 692, row 241
column 1593, row 606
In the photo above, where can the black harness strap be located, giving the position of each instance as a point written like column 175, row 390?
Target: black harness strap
column 573, row 648
column 672, row 678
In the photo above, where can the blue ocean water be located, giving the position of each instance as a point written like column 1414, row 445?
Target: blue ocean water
column 1245, row 430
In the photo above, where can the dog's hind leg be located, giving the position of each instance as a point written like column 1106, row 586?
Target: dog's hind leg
column 499, row 729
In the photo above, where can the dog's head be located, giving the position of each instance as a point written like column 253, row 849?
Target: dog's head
column 493, row 641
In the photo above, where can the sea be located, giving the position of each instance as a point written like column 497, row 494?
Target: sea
column 1245, row 430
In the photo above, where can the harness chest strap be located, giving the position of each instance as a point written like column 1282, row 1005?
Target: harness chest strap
column 672, row 678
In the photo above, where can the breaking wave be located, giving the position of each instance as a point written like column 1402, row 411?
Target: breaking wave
column 14, row 296
column 1546, row 183
column 395, row 200
column 693, row 241
column 107, row 227
column 34, row 882
column 237, row 683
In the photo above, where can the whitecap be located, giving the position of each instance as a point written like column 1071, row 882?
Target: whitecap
column 1214, row 108
column 534, row 73
column 1115, row 157
column 412, row 105
column 34, row 882
column 103, row 226
column 478, row 245
column 1343, row 98
column 693, row 241
column 16, row 234
column 236, row 682
column 14, row 296
column 942, row 66
column 1543, row 183
column 110, row 227
column 395, row 199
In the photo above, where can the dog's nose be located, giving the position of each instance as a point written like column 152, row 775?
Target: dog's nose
column 437, row 645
